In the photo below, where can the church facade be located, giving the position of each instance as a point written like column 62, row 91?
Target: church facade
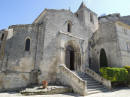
column 31, row 53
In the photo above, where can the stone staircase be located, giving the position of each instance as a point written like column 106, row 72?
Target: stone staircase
column 93, row 86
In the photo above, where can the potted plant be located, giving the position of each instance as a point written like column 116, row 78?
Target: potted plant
column 44, row 84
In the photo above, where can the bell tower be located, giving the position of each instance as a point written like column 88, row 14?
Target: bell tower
column 87, row 17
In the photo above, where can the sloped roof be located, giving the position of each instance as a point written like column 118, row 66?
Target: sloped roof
column 41, row 15
column 46, row 11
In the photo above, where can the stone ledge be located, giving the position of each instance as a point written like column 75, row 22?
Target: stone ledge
column 70, row 35
column 49, row 90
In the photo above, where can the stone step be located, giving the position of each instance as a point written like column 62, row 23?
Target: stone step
column 97, row 88
column 94, row 92
column 87, row 78
column 94, row 86
column 92, row 82
column 84, row 76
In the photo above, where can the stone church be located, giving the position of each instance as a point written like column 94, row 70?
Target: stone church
column 59, row 43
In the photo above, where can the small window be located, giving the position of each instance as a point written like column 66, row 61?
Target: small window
column 2, row 37
column 91, row 18
column 27, row 45
column 69, row 27
column 128, row 46
column 77, row 15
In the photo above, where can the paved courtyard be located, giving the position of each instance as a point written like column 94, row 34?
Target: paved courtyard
column 116, row 93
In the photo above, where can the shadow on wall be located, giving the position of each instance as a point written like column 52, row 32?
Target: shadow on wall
column 97, row 63
column 73, row 56
column 103, row 58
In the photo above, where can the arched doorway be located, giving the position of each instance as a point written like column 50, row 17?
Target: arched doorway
column 103, row 59
column 70, row 57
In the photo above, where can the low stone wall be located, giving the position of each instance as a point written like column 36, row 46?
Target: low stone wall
column 98, row 78
column 13, row 81
column 67, row 77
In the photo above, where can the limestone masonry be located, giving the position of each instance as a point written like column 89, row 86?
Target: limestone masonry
column 34, row 52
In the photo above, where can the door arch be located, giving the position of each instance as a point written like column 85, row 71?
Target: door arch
column 103, row 59
column 70, row 57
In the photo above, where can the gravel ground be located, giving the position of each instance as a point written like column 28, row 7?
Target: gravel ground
column 116, row 93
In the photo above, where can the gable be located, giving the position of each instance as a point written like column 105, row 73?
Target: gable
column 38, row 19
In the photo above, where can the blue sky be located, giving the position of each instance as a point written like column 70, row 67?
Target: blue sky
column 25, row 11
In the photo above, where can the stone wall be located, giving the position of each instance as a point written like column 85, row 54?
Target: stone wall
column 67, row 77
column 105, row 38
column 3, row 36
column 13, row 81
column 17, row 62
column 17, row 59
column 123, row 32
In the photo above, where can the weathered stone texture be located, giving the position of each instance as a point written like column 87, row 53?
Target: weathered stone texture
column 11, row 81
column 113, row 37
column 16, row 56
column 57, row 21
column 47, row 91
column 123, row 32
column 102, row 40
column 50, row 35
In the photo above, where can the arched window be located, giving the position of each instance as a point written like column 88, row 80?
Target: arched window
column 27, row 44
column 2, row 37
column 77, row 15
column 69, row 27
column 91, row 18
column 103, row 59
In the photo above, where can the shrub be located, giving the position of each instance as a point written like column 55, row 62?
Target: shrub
column 128, row 69
column 114, row 74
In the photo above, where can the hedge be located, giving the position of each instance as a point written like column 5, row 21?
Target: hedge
column 114, row 74
column 128, row 69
